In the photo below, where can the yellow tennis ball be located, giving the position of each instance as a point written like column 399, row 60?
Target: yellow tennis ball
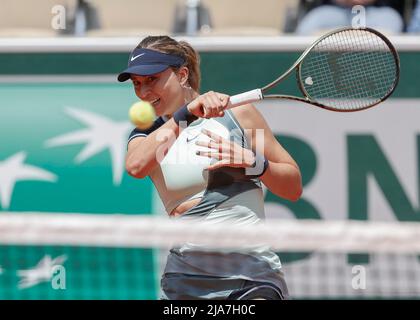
column 142, row 115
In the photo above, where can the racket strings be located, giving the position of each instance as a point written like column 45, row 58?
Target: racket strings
column 349, row 70
column 345, row 82
column 356, row 84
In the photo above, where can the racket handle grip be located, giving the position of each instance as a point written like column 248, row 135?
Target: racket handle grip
column 244, row 98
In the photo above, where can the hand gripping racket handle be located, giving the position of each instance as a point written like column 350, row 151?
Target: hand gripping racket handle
column 244, row 98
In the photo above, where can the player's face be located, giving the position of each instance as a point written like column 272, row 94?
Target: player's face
column 163, row 90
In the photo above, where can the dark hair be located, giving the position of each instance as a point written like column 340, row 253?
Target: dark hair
column 182, row 49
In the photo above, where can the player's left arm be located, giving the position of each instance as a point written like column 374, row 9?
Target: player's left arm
column 282, row 176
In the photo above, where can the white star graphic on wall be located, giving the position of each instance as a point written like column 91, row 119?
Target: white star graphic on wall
column 42, row 272
column 102, row 133
column 12, row 170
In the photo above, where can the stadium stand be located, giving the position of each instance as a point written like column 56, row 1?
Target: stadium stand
column 23, row 18
column 131, row 17
column 261, row 18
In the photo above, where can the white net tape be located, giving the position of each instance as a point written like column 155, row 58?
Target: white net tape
column 326, row 269
column 148, row 231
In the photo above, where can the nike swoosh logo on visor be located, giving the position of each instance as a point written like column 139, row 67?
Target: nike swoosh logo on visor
column 135, row 57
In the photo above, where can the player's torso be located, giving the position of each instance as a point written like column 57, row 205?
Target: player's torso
column 182, row 174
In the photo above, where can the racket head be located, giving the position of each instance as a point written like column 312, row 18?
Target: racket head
column 349, row 70
column 345, row 70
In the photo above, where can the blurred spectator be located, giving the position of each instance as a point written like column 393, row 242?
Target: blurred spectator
column 331, row 14
column 414, row 25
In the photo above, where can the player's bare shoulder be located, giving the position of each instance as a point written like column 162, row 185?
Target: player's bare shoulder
column 132, row 145
column 249, row 117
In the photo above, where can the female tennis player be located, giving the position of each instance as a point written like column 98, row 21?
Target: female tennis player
column 207, row 163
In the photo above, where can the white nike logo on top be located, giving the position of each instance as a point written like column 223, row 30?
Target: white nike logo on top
column 135, row 57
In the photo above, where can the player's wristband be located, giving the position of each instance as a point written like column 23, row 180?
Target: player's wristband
column 183, row 114
column 259, row 159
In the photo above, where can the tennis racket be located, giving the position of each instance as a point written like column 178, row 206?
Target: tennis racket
column 345, row 70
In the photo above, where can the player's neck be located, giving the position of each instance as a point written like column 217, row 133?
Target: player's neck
column 190, row 95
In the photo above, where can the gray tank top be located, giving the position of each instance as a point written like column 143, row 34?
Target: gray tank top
column 227, row 196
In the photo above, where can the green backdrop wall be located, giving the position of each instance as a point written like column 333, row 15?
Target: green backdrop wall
column 60, row 130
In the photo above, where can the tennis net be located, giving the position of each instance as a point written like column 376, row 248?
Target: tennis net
column 81, row 256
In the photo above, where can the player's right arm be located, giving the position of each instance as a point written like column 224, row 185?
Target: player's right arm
column 143, row 151
column 146, row 151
